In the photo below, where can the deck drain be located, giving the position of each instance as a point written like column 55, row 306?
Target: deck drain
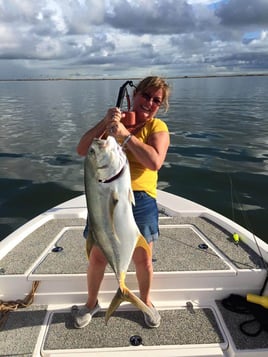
column 135, row 340
column 57, row 249
column 203, row 246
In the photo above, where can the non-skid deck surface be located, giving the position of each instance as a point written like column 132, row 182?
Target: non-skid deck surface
column 21, row 330
column 176, row 250
column 25, row 253
column 178, row 327
column 242, row 256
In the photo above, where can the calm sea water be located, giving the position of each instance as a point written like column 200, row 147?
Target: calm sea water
column 218, row 155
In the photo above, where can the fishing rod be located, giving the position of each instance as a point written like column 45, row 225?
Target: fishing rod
column 129, row 119
column 251, row 297
column 122, row 93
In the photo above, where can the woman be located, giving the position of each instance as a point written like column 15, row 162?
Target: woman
column 146, row 144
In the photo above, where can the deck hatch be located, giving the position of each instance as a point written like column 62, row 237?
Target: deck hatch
column 178, row 327
column 178, row 250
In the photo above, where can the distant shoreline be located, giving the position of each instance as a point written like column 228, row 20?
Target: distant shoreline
column 137, row 78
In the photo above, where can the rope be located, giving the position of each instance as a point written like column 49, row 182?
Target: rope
column 7, row 306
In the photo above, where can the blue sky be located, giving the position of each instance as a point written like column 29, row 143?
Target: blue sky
column 132, row 38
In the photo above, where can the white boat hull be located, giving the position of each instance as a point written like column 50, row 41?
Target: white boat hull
column 199, row 280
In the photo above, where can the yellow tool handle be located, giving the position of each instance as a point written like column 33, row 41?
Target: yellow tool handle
column 256, row 299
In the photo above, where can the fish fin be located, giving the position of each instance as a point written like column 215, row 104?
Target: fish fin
column 114, row 199
column 89, row 242
column 124, row 294
column 112, row 203
column 142, row 242
column 117, row 299
column 131, row 197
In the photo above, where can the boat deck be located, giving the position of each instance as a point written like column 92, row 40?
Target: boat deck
column 196, row 264
column 176, row 250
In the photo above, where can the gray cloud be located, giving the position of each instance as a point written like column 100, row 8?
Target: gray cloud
column 247, row 60
column 243, row 13
column 132, row 37
column 152, row 17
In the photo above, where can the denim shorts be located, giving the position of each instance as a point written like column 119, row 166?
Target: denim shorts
column 145, row 213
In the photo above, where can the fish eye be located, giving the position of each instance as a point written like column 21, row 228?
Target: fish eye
column 91, row 151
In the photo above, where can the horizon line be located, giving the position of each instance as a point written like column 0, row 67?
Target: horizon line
column 121, row 78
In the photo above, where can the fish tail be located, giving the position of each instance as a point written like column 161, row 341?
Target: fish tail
column 124, row 294
column 117, row 299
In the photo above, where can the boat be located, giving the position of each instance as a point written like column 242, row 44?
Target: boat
column 200, row 260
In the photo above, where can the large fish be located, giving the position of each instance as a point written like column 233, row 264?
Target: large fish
column 111, row 223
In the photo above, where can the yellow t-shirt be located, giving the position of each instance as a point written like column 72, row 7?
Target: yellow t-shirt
column 142, row 178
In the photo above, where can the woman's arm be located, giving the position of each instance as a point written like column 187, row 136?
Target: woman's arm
column 153, row 153
column 96, row 132
column 112, row 115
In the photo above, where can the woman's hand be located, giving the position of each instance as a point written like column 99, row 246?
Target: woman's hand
column 104, row 126
column 112, row 115
column 114, row 126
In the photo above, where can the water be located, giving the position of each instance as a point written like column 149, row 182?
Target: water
column 217, row 157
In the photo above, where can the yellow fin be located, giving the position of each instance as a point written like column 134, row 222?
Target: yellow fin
column 124, row 294
column 117, row 299
column 142, row 242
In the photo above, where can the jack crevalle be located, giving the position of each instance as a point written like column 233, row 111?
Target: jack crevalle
column 111, row 223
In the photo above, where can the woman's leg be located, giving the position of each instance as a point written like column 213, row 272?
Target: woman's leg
column 144, row 272
column 95, row 274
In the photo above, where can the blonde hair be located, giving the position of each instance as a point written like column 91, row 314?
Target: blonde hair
column 158, row 83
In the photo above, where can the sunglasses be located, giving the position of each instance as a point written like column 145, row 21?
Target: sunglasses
column 148, row 98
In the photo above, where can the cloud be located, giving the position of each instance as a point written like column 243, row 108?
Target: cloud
column 131, row 37
column 246, row 13
column 152, row 17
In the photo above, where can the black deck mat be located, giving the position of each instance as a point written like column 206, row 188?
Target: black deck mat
column 241, row 341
